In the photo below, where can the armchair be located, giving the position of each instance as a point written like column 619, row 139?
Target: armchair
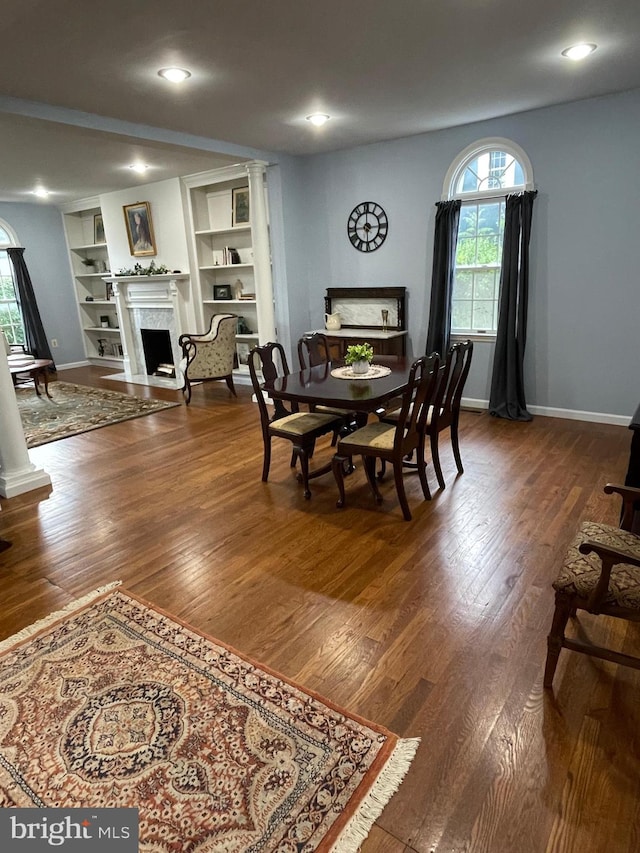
column 209, row 356
column 600, row 574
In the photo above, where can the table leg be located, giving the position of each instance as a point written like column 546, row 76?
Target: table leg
column 34, row 376
column 45, row 376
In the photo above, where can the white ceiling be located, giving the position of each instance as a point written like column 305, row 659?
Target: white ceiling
column 381, row 69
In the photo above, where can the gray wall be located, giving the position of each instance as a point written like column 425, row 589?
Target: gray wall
column 584, row 303
column 39, row 229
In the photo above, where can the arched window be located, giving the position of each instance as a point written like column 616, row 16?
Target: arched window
column 482, row 176
column 10, row 315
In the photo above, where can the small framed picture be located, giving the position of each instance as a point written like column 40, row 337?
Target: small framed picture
column 240, row 206
column 222, row 291
column 242, row 351
column 109, row 291
column 137, row 218
column 98, row 229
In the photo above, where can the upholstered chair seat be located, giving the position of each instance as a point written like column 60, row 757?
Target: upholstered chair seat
column 581, row 572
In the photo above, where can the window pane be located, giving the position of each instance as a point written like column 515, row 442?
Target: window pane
column 489, row 250
column 461, row 314
column 482, row 315
column 484, row 284
column 490, row 170
column 463, row 284
column 466, row 251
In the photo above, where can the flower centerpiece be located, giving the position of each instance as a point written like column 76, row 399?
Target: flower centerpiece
column 359, row 357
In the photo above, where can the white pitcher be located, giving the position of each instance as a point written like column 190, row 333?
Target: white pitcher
column 332, row 322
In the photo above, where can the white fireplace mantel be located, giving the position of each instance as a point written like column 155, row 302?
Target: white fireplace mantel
column 136, row 296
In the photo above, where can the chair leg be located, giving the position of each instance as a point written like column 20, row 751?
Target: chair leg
column 230, row 385
column 186, row 390
column 338, row 463
column 370, row 471
column 303, row 456
column 402, row 497
column 435, row 458
column 422, row 471
column 267, row 458
column 564, row 606
column 456, row 446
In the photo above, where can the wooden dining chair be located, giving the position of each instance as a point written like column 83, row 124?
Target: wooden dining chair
column 600, row 574
column 445, row 411
column 393, row 442
column 302, row 429
column 313, row 350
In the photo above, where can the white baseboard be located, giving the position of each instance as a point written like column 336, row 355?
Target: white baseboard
column 551, row 412
column 72, row 364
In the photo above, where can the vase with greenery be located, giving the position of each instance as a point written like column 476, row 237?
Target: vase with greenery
column 359, row 357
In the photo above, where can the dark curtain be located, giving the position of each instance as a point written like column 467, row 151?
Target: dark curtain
column 444, row 257
column 507, row 399
column 35, row 338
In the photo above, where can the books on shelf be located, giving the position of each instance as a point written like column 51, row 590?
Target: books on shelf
column 226, row 256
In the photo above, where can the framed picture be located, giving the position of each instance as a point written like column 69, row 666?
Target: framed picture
column 137, row 218
column 242, row 351
column 98, row 229
column 240, row 206
column 222, row 291
column 109, row 290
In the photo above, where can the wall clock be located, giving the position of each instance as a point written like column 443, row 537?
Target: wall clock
column 367, row 226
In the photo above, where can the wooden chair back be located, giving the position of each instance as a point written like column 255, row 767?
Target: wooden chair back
column 313, row 349
column 418, row 397
column 266, row 363
column 453, row 379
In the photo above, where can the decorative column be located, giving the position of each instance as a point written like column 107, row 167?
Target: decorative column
column 261, row 252
column 17, row 472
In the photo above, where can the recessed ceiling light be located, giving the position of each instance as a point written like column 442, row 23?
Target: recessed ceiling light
column 578, row 51
column 139, row 167
column 318, row 119
column 41, row 192
column 174, row 75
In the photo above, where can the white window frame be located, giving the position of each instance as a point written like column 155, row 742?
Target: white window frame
column 455, row 172
column 4, row 245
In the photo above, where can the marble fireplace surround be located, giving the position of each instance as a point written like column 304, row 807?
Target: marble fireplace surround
column 151, row 302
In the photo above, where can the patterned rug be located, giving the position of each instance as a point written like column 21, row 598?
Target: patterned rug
column 77, row 408
column 114, row 703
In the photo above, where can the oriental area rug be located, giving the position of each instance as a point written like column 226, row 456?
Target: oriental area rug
column 113, row 703
column 74, row 409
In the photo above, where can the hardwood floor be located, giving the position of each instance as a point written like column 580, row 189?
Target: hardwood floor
column 435, row 628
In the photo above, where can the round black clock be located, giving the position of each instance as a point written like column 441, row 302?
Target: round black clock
column 367, row 226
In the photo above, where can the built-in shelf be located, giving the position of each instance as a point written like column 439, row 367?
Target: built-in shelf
column 81, row 220
column 226, row 267
column 236, row 229
column 213, row 235
column 229, row 301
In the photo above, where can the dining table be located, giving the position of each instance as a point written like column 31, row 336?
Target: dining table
column 317, row 386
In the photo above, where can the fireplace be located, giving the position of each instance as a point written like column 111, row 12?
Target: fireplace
column 158, row 355
column 148, row 305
